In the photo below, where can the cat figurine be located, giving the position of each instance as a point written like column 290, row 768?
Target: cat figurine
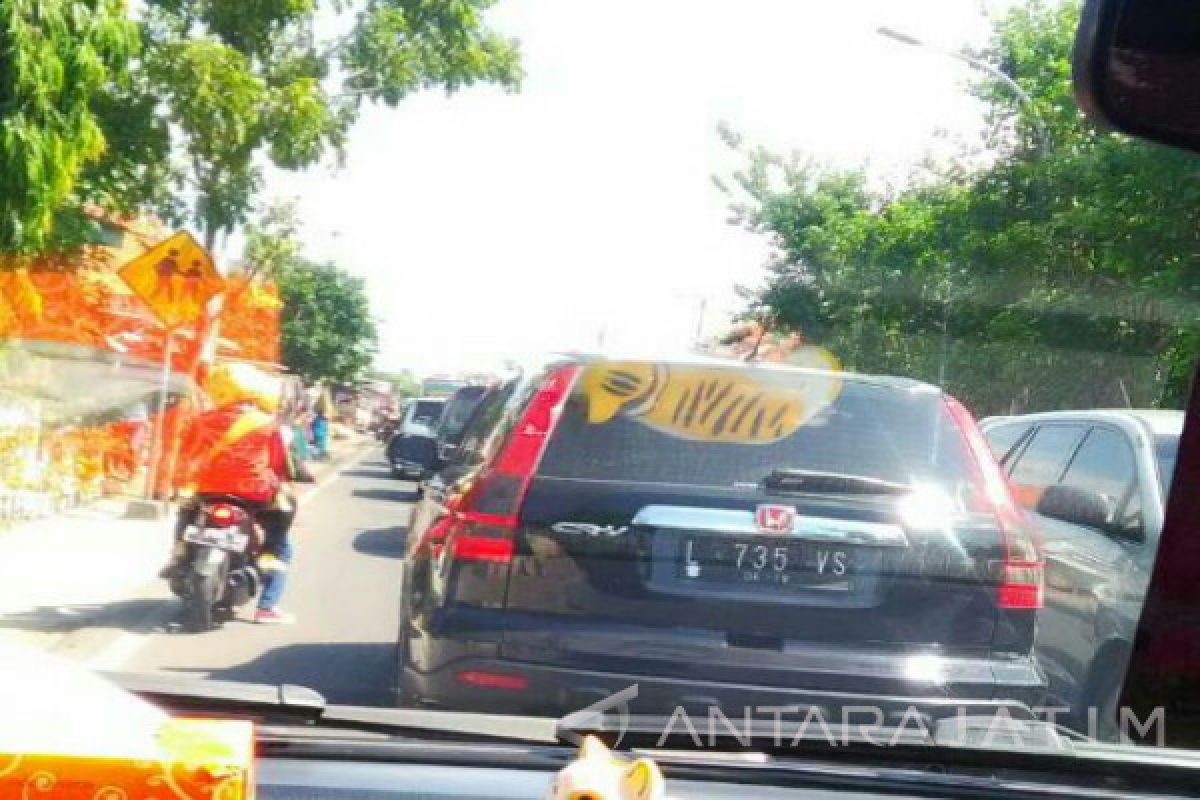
column 598, row 774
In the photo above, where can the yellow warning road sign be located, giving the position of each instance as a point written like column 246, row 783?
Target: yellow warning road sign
column 176, row 278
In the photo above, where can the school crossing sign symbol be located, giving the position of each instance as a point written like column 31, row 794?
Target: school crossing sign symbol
column 176, row 278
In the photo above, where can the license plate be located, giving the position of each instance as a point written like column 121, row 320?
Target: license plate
column 226, row 539
column 766, row 562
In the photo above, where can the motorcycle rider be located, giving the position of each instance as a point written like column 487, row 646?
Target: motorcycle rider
column 238, row 449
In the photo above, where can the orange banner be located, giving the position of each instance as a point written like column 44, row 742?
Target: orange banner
column 79, row 299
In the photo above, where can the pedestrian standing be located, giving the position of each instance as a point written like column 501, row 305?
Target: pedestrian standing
column 320, row 434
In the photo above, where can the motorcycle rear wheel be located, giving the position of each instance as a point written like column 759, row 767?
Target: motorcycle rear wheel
column 198, row 604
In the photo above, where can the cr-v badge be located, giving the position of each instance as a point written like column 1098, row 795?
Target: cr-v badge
column 588, row 529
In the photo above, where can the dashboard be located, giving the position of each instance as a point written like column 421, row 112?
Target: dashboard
column 334, row 779
column 292, row 780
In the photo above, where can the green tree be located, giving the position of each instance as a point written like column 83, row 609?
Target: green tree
column 234, row 85
column 1007, row 283
column 327, row 330
column 326, row 325
column 272, row 241
column 56, row 59
column 403, row 383
column 179, row 111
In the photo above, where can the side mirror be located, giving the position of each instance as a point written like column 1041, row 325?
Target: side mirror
column 447, row 452
column 1076, row 506
column 1137, row 68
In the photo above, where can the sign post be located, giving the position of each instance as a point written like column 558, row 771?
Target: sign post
column 157, row 454
column 176, row 278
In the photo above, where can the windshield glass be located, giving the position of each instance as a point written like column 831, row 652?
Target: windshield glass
column 896, row 434
column 427, row 412
column 785, row 354
column 458, row 411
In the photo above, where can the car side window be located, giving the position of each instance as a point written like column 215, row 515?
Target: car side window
column 516, row 396
column 478, row 432
column 1106, row 464
column 1003, row 440
column 1042, row 461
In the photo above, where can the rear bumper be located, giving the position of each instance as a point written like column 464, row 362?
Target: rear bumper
column 407, row 468
column 557, row 691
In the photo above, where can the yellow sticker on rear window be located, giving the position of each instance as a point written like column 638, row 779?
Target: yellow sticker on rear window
column 714, row 404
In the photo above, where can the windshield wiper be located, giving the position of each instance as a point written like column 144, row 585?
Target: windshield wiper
column 780, row 736
column 439, row 724
column 284, row 703
column 949, row 741
column 870, row 758
column 787, row 479
column 287, row 704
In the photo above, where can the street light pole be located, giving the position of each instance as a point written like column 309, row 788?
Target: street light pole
column 983, row 66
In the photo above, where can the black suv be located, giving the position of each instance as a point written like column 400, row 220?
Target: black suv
column 420, row 453
column 457, row 414
column 718, row 534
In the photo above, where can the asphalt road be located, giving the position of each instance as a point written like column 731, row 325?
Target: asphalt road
column 343, row 588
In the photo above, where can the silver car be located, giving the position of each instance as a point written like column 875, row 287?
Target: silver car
column 1096, row 481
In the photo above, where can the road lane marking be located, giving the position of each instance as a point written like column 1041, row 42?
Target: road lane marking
column 329, row 479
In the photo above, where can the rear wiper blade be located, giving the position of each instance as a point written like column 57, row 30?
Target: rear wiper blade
column 787, row 479
column 287, row 704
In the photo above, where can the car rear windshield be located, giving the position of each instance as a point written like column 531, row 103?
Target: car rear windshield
column 845, row 427
column 428, row 411
column 458, row 411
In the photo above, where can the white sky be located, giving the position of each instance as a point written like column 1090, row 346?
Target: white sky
column 488, row 224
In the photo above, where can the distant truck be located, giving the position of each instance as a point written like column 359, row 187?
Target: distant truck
column 439, row 386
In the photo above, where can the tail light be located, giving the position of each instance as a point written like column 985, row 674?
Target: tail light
column 222, row 515
column 493, row 680
column 483, row 516
column 1021, row 575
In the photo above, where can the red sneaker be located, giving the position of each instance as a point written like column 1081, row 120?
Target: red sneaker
column 273, row 616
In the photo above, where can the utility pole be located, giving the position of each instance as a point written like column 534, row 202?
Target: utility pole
column 982, row 66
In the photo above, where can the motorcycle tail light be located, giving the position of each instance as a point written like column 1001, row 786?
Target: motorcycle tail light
column 222, row 515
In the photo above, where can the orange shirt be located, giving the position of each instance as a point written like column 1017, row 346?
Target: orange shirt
column 236, row 450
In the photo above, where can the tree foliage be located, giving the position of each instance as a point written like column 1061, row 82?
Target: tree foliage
column 272, row 242
column 56, row 59
column 328, row 332
column 1065, row 273
column 237, row 85
column 180, row 111
column 403, row 383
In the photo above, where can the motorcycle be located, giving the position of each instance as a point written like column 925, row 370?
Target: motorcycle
column 214, row 570
column 384, row 429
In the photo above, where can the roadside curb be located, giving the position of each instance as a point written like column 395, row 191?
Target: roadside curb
column 107, row 647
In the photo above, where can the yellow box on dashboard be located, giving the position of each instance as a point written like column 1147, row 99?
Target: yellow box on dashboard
column 185, row 758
